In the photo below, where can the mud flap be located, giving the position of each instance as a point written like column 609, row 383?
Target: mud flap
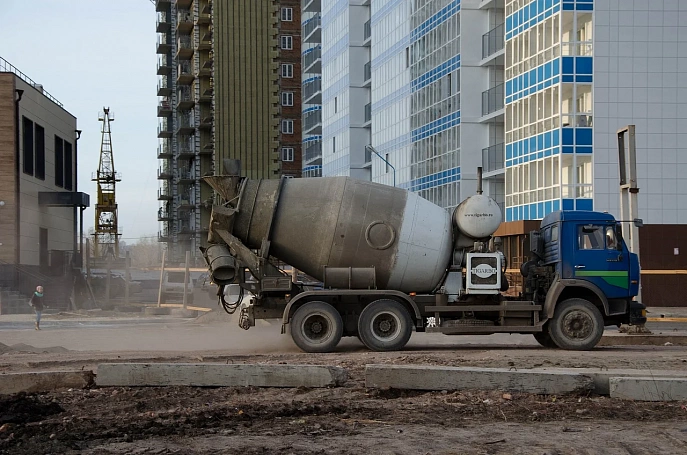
column 637, row 313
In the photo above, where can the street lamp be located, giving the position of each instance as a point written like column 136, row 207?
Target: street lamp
column 372, row 149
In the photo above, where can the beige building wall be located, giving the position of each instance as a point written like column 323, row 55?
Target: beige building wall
column 7, row 168
column 58, row 221
column 246, row 91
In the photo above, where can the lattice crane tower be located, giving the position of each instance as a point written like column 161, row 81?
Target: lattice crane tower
column 106, row 235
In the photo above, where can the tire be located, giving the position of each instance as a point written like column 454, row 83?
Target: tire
column 544, row 338
column 576, row 325
column 385, row 325
column 316, row 327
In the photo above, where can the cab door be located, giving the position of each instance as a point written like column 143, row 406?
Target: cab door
column 599, row 259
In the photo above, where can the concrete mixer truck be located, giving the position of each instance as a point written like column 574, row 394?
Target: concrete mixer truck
column 386, row 262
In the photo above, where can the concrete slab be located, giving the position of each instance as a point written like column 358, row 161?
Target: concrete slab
column 622, row 339
column 181, row 313
column 157, row 311
column 649, row 388
column 460, row 378
column 219, row 375
column 44, row 381
column 601, row 377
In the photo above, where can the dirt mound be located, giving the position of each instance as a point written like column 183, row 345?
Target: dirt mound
column 23, row 408
column 4, row 348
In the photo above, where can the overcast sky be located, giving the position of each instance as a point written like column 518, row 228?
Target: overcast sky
column 89, row 54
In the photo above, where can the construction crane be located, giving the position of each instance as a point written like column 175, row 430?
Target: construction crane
column 106, row 233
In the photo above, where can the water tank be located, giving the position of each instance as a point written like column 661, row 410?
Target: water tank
column 478, row 216
column 344, row 222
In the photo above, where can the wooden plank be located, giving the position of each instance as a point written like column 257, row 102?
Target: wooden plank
column 219, row 375
column 421, row 377
column 648, row 388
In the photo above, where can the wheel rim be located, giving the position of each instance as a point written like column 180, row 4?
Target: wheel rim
column 578, row 325
column 385, row 326
column 316, row 328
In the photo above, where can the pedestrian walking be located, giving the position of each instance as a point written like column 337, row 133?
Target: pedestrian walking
column 37, row 303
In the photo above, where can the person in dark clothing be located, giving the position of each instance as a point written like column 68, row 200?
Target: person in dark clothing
column 37, row 303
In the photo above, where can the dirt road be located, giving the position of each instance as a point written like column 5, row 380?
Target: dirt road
column 347, row 420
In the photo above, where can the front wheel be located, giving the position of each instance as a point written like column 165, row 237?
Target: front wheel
column 576, row 325
column 544, row 338
column 385, row 325
column 316, row 327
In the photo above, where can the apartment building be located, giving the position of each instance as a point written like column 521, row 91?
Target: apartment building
column 39, row 199
column 390, row 76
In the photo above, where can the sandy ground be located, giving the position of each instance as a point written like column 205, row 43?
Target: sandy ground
column 347, row 420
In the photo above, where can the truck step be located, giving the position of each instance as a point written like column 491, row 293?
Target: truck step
column 467, row 323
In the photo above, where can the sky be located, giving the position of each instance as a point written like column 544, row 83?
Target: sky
column 91, row 54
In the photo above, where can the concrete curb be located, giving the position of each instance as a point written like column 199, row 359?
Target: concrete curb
column 418, row 377
column 649, row 388
column 643, row 340
column 219, row 375
column 44, row 381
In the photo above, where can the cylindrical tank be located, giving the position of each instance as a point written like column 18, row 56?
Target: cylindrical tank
column 344, row 222
column 478, row 216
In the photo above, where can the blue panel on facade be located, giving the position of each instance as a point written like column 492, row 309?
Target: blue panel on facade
column 540, row 142
column 509, row 151
column 568, row 65
column 568, row 7
column 509, row 214
column 555, row 138
column 569, row 149
column 585, row 7
column 584, row 204
column 568, row 78
column 533, row 144
column 568, row 204
column 583, row 65
column 583, row 136
column 584, row 78
column 567, row 134
column 556, row 205
column 540, row 155
column 548, row 207
column 584, row 149
column 526, row 212
column 547, row 140
column 540, row 210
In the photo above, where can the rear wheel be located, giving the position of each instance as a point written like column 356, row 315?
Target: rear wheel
column 385, row 325
column 316, row 327
column 576, row 325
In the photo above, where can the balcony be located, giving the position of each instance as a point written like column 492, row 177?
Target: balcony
column 313, row 152
column 164, row 173
column 185, row 73
column 367, row 33
column 368, row 112
column 184, row 22
column 312, row 60
column 206, row 120
column 163, row 236
column 312, row 31
column 186, row 125
column 164, row 65
column 185, row 98
column 164, row 194
column 492, row 100
column 205, row 14
column 493, row 158
column 367, row 74
column 204, row 40
column 164, row 44
column 185, row 147
column 185, row 4
column 164, row 129
column 164, row 108
column 184, row 48
column 312, row 6
column 312, row 120
column 162, row 5
column 492, row 41
column 163, row 87
column 206, row 93
column 164, row 150
column 207, row 148
column 185, row 175
column 312, row 91
column 164, row 215
column 163, row 22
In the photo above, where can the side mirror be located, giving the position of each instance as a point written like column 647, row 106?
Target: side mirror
column 638, row 222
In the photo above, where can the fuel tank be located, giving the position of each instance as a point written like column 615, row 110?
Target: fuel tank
column 344, row 222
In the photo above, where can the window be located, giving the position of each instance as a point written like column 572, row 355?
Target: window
column 287, row 42
column 336, row 104
column 287, row 99
column 40, row 151
column 334, row 144
column 287, row 126
column 28, row 145
column 590, row 237
column 286, row 70
column 68, row 166
column 59, row 162
column 287, row 153
column 287, row 14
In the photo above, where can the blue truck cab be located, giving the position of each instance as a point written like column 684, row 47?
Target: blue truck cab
column 583, row 274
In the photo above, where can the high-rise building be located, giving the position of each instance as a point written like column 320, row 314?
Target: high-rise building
column 185, row 111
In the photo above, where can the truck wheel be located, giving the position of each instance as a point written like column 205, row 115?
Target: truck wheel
column 576, row 325
column 316, row 327
column 544, row 338
column 385, row 325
